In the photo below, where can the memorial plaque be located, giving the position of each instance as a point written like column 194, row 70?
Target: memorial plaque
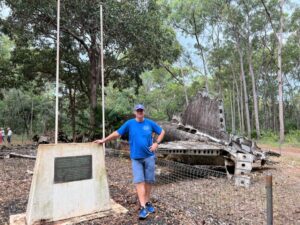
column 68, row 183
column 74, row 168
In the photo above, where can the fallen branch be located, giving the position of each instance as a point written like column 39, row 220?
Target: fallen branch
column 16, row 155
column 272, row 153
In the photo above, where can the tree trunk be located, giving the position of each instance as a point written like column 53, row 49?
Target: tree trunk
column 269, row 125
column 94, row 82
column 186, row 95
column 72, row 100
column 23, row 115
column 265, row 117
column 233, row 111
column 184, row 88
column 274, row 115
column 205, row 70
column 31, row 117
column 265, row 102
column 237, row 99
column 254, row 92
column 235, row 89
column 238, row 107
column 231, row 98
column 242, row 105
column 280, row 81
column 245, row 91
column 93, row 98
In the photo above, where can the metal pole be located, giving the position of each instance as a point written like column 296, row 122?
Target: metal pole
column 102, row 75
column 269, row 190
column 57, row 71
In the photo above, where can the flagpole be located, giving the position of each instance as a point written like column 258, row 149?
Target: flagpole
column 57, row 71
column 102, row 74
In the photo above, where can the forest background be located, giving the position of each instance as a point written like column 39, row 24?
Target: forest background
column 160, row 53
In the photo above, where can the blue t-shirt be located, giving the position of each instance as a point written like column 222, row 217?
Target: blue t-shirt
column 140, row 136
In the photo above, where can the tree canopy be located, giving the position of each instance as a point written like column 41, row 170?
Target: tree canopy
column 237, row 53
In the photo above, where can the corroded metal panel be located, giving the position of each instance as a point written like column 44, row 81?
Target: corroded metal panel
column 206, row 114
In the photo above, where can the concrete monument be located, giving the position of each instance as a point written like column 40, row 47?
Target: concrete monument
column 69, row 182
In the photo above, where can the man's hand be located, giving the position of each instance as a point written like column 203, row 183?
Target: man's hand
column 153, row 147
column 110, row 137
column 100, row 141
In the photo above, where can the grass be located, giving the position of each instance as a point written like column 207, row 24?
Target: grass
column 19, row 139
column 292, row 139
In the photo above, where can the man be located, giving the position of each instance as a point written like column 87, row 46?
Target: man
column 9, row 134
column 142, row 154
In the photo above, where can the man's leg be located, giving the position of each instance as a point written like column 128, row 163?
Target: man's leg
column 149, row 175
column 141, row 192
column 139, row 179
column 148, row 188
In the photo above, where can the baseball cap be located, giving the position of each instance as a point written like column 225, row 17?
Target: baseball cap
column 139, row 106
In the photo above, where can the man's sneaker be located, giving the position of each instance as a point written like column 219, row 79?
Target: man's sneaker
column 143, row 213
column 150, row 207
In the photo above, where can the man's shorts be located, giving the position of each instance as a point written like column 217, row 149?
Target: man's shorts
column 144, row 170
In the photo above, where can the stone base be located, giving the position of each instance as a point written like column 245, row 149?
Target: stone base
column 20, row 219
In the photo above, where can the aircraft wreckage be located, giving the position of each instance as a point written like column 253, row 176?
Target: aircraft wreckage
column 198, row 137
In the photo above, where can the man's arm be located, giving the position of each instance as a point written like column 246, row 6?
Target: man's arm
column 112, row 136
column 158, row 140
column 160, row 137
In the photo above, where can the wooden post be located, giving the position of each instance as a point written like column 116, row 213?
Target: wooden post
column 269, row 190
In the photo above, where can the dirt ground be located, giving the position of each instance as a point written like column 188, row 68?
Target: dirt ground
column 289, row 162
column 15, row 180
column 198, row 201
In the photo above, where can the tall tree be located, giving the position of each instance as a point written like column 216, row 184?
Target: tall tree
column 135, row 37
column 235, row 32
column 278, row 36
column 250, row 63
column 8, row 78
column 197, row 20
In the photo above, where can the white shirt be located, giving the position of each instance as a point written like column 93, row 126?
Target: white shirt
column 3, row 133
column 9, row 133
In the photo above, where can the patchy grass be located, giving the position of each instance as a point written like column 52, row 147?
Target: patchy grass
column 19, row 140
column 292, row 139
column 277, row 145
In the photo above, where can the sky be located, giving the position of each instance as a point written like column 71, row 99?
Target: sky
column 4, row 11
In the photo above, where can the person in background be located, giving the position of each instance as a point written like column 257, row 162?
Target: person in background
column 9, row 134
column 2, row 134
